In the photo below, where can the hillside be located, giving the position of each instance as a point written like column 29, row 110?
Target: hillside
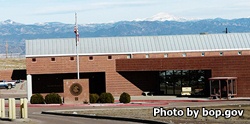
column 12, row 63
column 14, row 34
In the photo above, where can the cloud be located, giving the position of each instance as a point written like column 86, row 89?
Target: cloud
column 83, row 7
column 123, row 3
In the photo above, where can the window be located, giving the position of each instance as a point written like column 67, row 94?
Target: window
column 53, row 59
column 147, row 55
column 184, row 54
column 33, row 59
column 221, row 53
column 129, row 56
column 91, row 58
column 239, row 52
column 72, row 58
column 172, row 81
column 109, row 57
column 165, row 55
column 203, row 54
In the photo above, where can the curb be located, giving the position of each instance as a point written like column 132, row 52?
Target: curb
column 6, row 119
column 138, row 103
column 106, row 104
column 106, row 117
column 144, row 103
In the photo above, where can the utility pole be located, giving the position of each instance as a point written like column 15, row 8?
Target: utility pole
column 6, row 49
column 77, row 41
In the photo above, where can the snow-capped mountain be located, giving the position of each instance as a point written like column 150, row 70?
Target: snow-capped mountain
column 7, row 22
column 160, row 24
column 165, row 17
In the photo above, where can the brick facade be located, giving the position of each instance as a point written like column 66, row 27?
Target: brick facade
column 6, row 74
column 135, row 75
column 10, row 74
column 44, row 65
column 221, row 66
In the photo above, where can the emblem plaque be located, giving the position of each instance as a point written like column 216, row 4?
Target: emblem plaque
column 75, row 89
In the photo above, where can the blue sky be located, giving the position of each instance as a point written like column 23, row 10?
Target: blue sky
column 103, row 11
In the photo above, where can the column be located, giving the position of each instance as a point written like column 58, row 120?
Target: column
column 2, row 108
column 29, row 87
column 10, row 108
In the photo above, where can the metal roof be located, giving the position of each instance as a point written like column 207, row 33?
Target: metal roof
column 138, row 44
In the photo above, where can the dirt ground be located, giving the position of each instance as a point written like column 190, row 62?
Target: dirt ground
column 147, row 113
column 12, row 63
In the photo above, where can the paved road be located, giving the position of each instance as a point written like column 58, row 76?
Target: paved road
column 52, row 119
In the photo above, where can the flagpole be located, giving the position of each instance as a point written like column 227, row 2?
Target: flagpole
column 77, row 41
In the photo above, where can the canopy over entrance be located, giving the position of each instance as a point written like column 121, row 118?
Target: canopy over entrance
column 223, row 86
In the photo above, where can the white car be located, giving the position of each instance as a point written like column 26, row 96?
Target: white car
column 7, row 84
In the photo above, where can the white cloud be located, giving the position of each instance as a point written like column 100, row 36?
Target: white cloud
column 32, row 11
column 81, row 6
column 123, row 3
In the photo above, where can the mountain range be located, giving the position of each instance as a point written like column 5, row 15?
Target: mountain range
column 14, row 34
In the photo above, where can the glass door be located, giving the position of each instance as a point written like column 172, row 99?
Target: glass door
column 172, row 81
column 177, row 75
column 163, row 87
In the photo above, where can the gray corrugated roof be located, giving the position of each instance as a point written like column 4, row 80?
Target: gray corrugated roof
column 138, row 44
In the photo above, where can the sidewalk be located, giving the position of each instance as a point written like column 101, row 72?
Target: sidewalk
column 179, row 99
column 149, row 101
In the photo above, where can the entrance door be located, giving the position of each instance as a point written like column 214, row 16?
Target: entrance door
column 172, row 81
column 168, row 83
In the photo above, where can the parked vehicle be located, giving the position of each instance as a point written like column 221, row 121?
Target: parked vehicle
column 7, row 84
column 19, row 81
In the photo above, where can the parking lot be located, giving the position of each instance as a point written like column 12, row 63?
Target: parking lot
column 19, row 91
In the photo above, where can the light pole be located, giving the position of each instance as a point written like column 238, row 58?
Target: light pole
column 77, row 41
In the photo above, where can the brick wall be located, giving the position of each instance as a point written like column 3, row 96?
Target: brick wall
column 234, row 66
column 10, row 74
column 83, row 89
column 6, row 74
column 116, row 83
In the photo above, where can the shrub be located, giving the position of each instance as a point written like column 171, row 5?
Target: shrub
column 124, row 98
column 106, row 98
column 93, row 98
column 53, row 98
column 37, row 99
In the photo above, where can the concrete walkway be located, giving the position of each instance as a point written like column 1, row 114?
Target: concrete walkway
column 174, row 98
